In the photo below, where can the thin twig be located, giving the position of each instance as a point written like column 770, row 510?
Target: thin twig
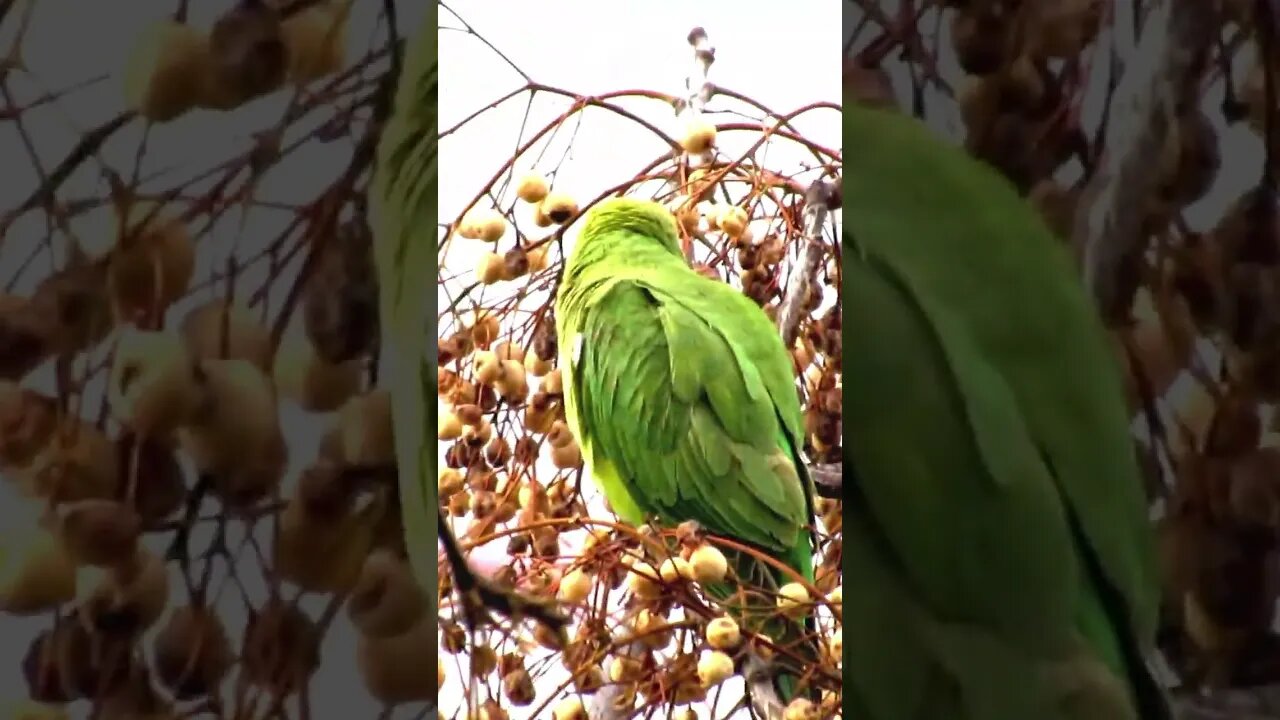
column 1159, row 81
column 828, row 479
column 817, row 204
column 87, row 147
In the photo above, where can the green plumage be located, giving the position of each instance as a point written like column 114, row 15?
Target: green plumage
column 997, row 550
column 403, row 200
column 682, row 396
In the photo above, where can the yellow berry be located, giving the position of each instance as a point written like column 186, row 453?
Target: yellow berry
column 538, row 258
column 723, row 633
column 448, row 427
column 489, row 268
column 492, row 226
column 511, row 380
column 835, row 646
column 480, row 433
column 368, row 433
column 152, row 261
column 699, row 135
column 540, row 215
column 570, row 708
column 449, row 481
column 232, row 326
column 37, row 570
column 575, row 586
column 733, row 221
column 509, row 351
column 236, row 438
column 801, row 709
column 642, row 581
column 713, row 213
column 714, row 668
column 595, row 536
column 485, row 224
column 709, row 564
column 688, row 216
column 674, row 568
column 651, row 628
column 152, row 387
column 559, row 435
column 165, row 60
column 315, row 384
column 536, row 366
column 793, row 599
column 316, row 40
column 559, row 207
column 551, row 383
column 487, row 366
column 567, row 457
column 532, row 188
column 624, row 669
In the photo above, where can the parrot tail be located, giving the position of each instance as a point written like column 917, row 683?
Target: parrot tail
column 789, row 671
column 798, row 654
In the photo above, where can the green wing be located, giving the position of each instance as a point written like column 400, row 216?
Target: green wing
column 958, row 532
column 403, row 201
column 683, row 399
column 988, row 437
column 671, row 404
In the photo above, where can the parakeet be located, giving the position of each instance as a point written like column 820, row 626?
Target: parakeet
column 683, row 400
column 997, row 547
column 403, row 204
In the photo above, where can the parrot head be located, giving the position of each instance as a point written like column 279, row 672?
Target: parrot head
column 624, row 224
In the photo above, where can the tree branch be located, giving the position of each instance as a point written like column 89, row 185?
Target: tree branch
column 1162, row 78
column 818, row 201
column 828, row 479
column 88, row 146
column 480, row 595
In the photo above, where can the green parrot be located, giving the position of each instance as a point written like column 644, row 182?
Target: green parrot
column 997, row 546
column 683, row 400
column 403, row 205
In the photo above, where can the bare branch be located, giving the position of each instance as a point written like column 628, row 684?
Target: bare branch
column 1161, row 80
column 828, row 479
column 818, row 201
column 697, row 86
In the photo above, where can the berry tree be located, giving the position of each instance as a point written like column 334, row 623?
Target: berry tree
column 187, row 357
column 1144, row 133
column 753, row 193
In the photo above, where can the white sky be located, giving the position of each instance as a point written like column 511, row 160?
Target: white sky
column 72, row 41
column 785, row 60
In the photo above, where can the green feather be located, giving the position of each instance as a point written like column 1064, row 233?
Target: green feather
column 682, row 396
column 403, row 201
column 998, row 523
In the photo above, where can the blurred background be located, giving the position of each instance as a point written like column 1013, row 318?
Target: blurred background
column 1049, row 93
column 250, row 119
